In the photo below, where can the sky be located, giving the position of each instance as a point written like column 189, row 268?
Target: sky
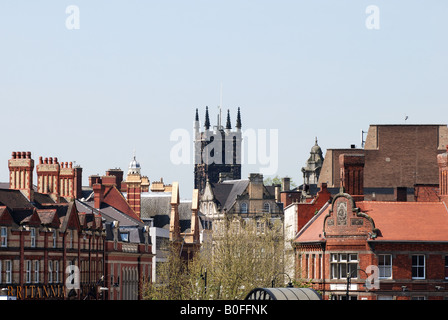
column 95, row 84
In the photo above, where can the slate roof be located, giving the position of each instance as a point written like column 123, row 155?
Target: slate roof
column 14, row 199
column 157, row 205
column 227, row 191
column 108, row 213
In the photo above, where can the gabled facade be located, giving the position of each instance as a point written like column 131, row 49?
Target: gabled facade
column 400, row 247
column 238, row 200
column 38, row 243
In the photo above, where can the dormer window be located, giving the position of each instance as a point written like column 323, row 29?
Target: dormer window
column 244, row 207
column 124, row 237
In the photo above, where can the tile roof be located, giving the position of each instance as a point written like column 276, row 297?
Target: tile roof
column 396, row 221
column 408, row 221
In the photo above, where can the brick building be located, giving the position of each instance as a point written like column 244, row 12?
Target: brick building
column 128, row 247
column 397, row 158
column 42, row 234
column 406, row 242
column 57, row 224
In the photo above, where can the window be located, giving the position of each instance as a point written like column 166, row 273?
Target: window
column 4, row 236
column 124, row 237
column 28, row 271
column 343, row 264
column 71, row 240
column 36, row 271
column 33, row 237
column 385, row 266
column 243, row 207
column 54, row 238
column 266, row 207
column 50, row 271
column 8, row 271
column 446, row 267
column 418, row 266
column 56, row 271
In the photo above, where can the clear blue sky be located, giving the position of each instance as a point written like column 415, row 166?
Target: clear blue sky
column 136, row 70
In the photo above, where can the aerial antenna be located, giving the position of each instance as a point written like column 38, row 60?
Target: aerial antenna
column 219, row 107
column 363, row 142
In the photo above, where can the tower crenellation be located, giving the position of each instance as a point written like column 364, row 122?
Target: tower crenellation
column 217, row 149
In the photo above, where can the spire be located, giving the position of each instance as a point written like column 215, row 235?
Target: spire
column 228, row 125
column 196, row 122
column 207, row 119
column 238, row 119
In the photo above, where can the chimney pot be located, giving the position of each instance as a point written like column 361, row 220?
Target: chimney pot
column 13, row 154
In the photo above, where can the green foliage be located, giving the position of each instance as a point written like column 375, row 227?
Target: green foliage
column 245, row 255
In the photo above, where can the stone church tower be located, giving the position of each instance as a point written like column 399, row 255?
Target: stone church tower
column 217, row 151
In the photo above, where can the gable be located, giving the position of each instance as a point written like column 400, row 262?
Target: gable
column 344, row 218
column 114, row 198
column 5, row 217
column 71, row 219
column 49, row 217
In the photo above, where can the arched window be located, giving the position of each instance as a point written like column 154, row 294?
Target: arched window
column 266, row 207
column 243, row 207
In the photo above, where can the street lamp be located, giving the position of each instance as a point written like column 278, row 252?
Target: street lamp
column 204, row 277
column 289, row 285
column 349, row 275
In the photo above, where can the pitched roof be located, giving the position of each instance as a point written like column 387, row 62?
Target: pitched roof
column 157, row 205
column 14, row 199
column 108, row 212
column 396, row 221
column 227, row 191
column 408, row 221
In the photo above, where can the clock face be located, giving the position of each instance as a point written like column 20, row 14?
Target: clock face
column 342, row 214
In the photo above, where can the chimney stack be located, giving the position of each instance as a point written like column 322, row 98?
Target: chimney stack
column 352, row 175
column 442, row 161
column 21, row 168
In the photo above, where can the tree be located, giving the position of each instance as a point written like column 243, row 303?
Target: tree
column 277, row 180
column 243, row 255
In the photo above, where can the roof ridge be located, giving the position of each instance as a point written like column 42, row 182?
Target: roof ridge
column 400, row 202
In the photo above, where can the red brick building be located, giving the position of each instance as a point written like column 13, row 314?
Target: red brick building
column 41, row 237
column 405, row 242
column 397, row 158
column 48, row 228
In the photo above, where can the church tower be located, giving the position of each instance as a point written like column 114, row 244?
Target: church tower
column 217, row 150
